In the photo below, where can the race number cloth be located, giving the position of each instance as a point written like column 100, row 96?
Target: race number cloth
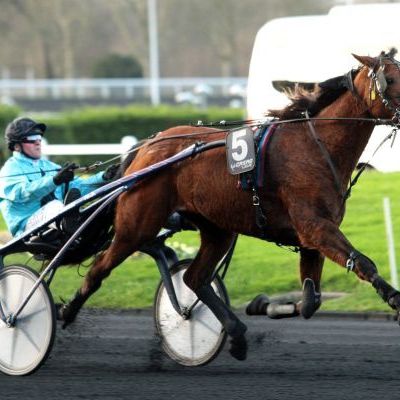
column 240, row 153
column 256, row 176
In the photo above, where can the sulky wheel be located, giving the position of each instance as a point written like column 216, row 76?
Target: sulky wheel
column 194, row 341
column 25, row 344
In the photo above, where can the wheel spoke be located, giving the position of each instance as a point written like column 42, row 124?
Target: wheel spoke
column 21, row 295
column 201, row 322
column 166, row 322
column 192, row 339
column 14, row 337
column 25, row 318
column 30, row 339
column 4, row 285
column 2, row 314
column 27, row 343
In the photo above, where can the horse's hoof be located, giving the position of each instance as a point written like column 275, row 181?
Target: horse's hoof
column 394, row 301
column 258, row 306
column 59, row 306
column 65, row 314
column 238, row 348
column 311, row 300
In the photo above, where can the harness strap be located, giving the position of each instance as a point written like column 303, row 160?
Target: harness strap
column 324, row 152
column 392, row 135
column 261, row 219
column 250, row 181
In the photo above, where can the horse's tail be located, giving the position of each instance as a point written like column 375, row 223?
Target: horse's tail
column 129, row 158
column 109, row 212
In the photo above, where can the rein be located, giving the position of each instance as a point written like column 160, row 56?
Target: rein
column 241, row 123
column 377, row 81
column 392, row 135
column 253, row 123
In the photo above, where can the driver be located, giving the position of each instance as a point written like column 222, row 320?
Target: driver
column 32, row 188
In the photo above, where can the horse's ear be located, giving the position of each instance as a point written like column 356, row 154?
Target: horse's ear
column 365, row 60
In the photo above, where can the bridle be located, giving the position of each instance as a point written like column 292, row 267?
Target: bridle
column 379, row 84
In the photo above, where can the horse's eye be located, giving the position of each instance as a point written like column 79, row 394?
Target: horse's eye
column 389, row 81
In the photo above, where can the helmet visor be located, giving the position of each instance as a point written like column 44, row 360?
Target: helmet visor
column 32, row 138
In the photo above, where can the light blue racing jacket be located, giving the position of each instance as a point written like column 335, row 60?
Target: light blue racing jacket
column 22, row 195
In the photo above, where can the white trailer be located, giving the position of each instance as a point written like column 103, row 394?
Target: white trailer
column 316, row 48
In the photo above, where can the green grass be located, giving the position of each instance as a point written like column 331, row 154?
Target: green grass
column 258, row 266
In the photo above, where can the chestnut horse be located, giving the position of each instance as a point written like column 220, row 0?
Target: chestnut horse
column 303, row 197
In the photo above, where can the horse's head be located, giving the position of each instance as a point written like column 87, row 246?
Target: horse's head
column 379, row 85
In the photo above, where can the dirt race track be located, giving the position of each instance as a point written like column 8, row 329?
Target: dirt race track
column 113, row 355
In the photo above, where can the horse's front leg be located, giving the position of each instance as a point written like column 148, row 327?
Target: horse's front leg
column 311, row 263
column 323, row 235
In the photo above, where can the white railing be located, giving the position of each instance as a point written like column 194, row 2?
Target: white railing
column 88, row 149
column 106, row 88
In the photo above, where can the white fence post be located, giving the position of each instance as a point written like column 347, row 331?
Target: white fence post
column 390, row 240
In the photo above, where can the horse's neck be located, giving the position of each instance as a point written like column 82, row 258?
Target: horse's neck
column 346, row 140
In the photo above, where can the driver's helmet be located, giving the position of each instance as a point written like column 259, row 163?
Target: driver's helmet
column 21, row 128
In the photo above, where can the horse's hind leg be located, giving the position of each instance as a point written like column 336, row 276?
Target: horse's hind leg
column 102, row 267
column 214, row 244
column 136, row 223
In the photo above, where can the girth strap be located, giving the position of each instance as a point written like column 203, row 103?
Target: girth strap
column 254, row 180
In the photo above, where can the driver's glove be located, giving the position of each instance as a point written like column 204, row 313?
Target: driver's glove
column 65, row 174
column 111, row 172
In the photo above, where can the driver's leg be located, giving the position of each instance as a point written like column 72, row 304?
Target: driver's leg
column 48, row 211
column 71, row 222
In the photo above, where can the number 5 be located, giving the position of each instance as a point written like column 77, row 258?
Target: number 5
column 237, row 143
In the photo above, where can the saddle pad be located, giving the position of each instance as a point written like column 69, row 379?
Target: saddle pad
column 256, row 177
column 261, row 154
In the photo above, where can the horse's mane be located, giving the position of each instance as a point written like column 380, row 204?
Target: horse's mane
column 314, row 100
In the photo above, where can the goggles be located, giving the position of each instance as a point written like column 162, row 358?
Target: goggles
column 32, row 138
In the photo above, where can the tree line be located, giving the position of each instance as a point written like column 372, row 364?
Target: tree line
column 69, row 38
